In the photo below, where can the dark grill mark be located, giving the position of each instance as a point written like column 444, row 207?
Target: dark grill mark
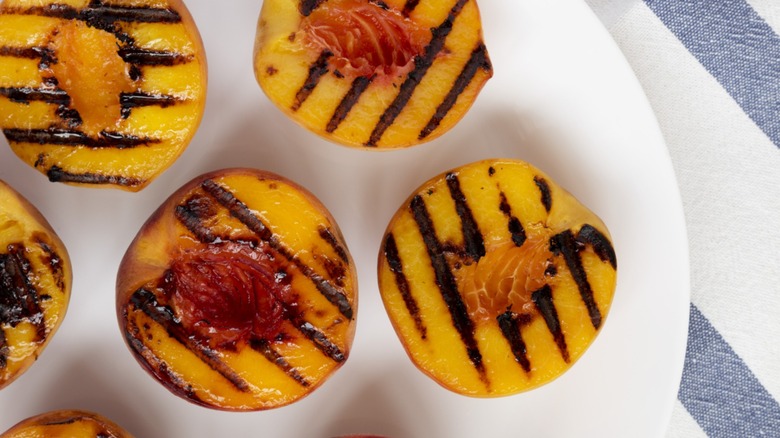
column 510, row 322
column 319, row 339
column 19, row 300
column 515, row 227
column 479, row 59
column 156, row 366
column 27, row 95
column 240, row 211
column 136, row 56
column 57, row 174
column 100, row 15
column 4, row 350
column 63, row 137
column 327, row 235
column 475, row 243
column 146, row 302
column 588, row 235
column 359, row 85
column 193, row 221
column 421, row 66
column 565, row 244
column 129, row 101
column 447, row 284
column 544, row 188
column 53, row 260
column 318, row 69
column 264, row 348
column 409, row 7
column 544, row 303
column 397, row 268
column 27, row 52
column 306, row 7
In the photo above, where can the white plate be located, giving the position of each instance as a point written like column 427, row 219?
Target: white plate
column 562, row 98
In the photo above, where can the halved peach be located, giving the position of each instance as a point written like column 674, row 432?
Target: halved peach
column 100, row 93
column 239, row 292
column 373, row 74
column 67, row 423
column 495, row 278
column 35, row 283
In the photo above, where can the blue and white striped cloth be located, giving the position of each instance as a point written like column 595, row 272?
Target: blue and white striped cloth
column 711, row 70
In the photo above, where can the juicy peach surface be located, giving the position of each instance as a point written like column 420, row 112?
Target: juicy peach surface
column 495, row 278
column 35, row 284
column 372, row 74
column 66, row 423
column 239, row 292
column 102, row 94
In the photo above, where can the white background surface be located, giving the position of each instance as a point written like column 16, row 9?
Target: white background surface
column 562, row 98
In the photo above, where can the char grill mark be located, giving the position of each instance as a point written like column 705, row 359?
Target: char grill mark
column 240, row 211
column 515, row 227
column 510, row 323
column 144, row 57
column 129, row 101
column 306, row 7
column 263, row 347
column 565, row 244
column 546, row 194
column 448, row 287
column 359, row 85
column 193, row 221
column 327, row 235
column 421, row 66
column 318, row 338
column 57, row 174
column 409, row 6
column 397, row 268
column 588, row 235
column 146, row 302
column 100, row 15
column 19, row 299
column 4, row 350
column 27, row 94
column 27, row 52
column 474, row 242
column 479, row 60
column 65, row 137
column 53, row 261
column 316, row 71
column 543, row 300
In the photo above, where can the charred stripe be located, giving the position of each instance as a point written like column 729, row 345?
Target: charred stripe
column 306, row 7
column 155, row 365
column 20, row 300
column 4, row 350
column 421, row 66
column 194, row 223
column 515, row 227
column 327, row 235
column 316, row 71
column 240, row 211
column 53, row 261
column 544, row 189
column 137, row 56
column 409, row 6
column 263, row 347
column 472, row 236
column 543, row 300
column 319, row 339
column 601, row 245
column 146, row 302
column 397, row 268
column 510, row 323
column 349, row 100
column 64, row 137
column 28, row 94
column 27, row 52
column 479, row 60
column 447, row 284
column 139, row 99
column 57, row 174
column 565, row 244
column 99, row 14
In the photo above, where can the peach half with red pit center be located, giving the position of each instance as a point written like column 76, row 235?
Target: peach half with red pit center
column 239, row 292
column 372, row 74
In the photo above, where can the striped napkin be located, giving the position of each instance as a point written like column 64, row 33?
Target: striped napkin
column 711, row 70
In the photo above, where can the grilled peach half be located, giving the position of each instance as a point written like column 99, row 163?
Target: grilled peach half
column 239, row 293
column 35, row 283
column 372, row 74
column 495, row 278
column 100, row 92
column 67, row 423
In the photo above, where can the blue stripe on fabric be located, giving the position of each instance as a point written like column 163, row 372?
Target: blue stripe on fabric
column 719, row 390
column 737, row 47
